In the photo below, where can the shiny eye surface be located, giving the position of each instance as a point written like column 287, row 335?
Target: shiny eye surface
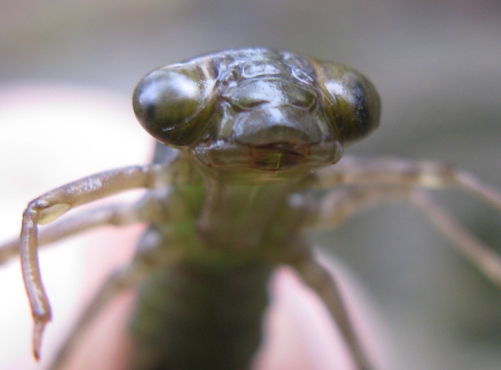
column 352, row 100
column 168, row 101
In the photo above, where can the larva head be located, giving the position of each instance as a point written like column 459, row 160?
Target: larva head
column 263, row 113
column 352, row 101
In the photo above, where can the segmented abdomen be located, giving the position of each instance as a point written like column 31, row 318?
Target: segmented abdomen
column 188, row 318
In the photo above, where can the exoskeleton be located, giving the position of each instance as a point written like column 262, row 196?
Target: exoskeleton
column 248, row 160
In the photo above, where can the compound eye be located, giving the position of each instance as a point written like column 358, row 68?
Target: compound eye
column 352, row 101
column 169, row 102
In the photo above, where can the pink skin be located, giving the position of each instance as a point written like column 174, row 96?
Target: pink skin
column 56, row 129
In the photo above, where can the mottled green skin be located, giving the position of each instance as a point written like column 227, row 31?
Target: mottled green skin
column 251, row 126
column 206, row 312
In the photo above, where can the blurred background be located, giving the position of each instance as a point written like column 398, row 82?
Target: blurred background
column 436, row 64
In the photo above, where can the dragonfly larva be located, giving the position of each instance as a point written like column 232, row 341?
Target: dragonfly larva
column 248, row 160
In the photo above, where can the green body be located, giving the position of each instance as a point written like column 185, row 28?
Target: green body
column 206, row 311
column 250, row 127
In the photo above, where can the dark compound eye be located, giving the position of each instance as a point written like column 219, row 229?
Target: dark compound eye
column 352, row 101
column 170, row 102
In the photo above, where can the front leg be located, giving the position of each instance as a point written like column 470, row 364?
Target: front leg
column 371, row 181
column 55, row 203
column 397, row 172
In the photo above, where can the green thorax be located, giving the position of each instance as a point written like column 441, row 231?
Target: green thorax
column 225, row 224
